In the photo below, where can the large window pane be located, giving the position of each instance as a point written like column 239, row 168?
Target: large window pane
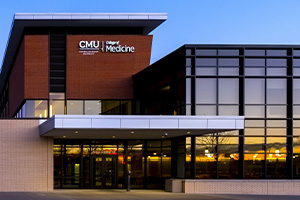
column 188, row 90
column 254, row 145
column 276, row 62
column 276, row 91
column 276, row 145
column 228, row 52
column 36, row 108
column 276, row 71
column 206, row 90
column 228, row 91
column 296, row 111
column 57, row 107
column 296, row 91
column 206, row 52
column 231, row 62
column 228, row 71
column 254, row 166
column 254, row 62
column 206, row 62
column 251, row 71
column 254, row 123
column 92, row 107
column 74, row 107
column 254, row 52
column 254, row 91
column 202, row 71
column 255, row 131
column 228, row 110
column 296, row 62
column 276, row 111
column 206, row 110
column 276, row 131
column 255, row 111
column 276, row 52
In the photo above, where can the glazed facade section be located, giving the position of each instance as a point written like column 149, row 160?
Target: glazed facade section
column 259, row 82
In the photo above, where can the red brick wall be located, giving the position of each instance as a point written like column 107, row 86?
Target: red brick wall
column 16, row 82
column 36, row 66
column 105, row 75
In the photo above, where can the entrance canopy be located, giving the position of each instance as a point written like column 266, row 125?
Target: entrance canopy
column 135, row 126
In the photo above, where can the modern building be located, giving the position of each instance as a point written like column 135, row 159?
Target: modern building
column 81, row 107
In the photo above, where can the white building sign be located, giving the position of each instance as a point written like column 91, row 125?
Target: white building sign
column 92, row 47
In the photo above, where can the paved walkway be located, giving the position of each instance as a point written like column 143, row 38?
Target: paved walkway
column 132, row 195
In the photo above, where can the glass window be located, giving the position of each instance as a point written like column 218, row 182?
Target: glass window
column 230, row 62
column 92, row 107
column 228, row 140
column 206, row 90
column 202, row 71
column 206, row 158
column 254, row 62
column 255, row 131
column 254, row 52
column 228, row 52
column 188, row 90
column 276, row 52
column 254, row 166
column 188, row 110
column 206, row 62
column 254, row 91
column 276, row 91
column 228, row 110
column 57, row 107
column 254, row 123
column 276, row 165
column 296, row 53
column 228, row 91
column 296, row 111
column 276, row 62
column 188, row 71
column 188, row 52
column 276, row 131
column 296, row 131
column 296, row 62
column 36, row 108
column 249, row 71
column 74, row 107
column 228, row 71
column 296, row 145
column 296, row 71
column 206, row 52
column 188, row 62
column 206, row 110
column 276, row 111
column 296, row 123
column 255, row 111
column 276, row 123
column 276, row 145
column 276, row 71
column 254, row 145
column 296, row 91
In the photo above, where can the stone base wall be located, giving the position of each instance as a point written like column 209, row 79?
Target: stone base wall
column 26, row 159
column 262, row 187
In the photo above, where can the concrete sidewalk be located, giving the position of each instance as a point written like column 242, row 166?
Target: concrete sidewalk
column 133, row 194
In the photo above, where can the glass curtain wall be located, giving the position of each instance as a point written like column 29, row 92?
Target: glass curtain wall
column 261, row 84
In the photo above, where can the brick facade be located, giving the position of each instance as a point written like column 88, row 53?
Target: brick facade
column 105, row 75
column 26, row 158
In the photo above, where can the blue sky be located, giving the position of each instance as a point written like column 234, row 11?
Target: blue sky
column 189, row 21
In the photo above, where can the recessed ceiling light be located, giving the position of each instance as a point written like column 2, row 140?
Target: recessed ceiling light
column 114, row 136
column 132, row 132
column 64, row 136
column 76, row 132
column 188, row 132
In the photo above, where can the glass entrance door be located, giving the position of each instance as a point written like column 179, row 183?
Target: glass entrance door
column 104, row 171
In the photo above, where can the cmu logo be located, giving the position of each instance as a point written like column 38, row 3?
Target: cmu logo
column 92, row 47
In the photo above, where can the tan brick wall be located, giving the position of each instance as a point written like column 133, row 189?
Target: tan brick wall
column 26, row 158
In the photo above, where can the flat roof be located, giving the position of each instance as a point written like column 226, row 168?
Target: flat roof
column 147, row 21
column 135, row 126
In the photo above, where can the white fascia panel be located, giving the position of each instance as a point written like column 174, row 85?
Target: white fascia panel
column 135, row 123
column 106, row 123
column 164, row 123
column 81, row 17
column 159, row 17
column 42, row 16
column 138, row 17
column 193, row 124
column 118, row 17
column 61, row 16
column 76, row 123
column 220, row 124
column 99, row 16
column 58, row 123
